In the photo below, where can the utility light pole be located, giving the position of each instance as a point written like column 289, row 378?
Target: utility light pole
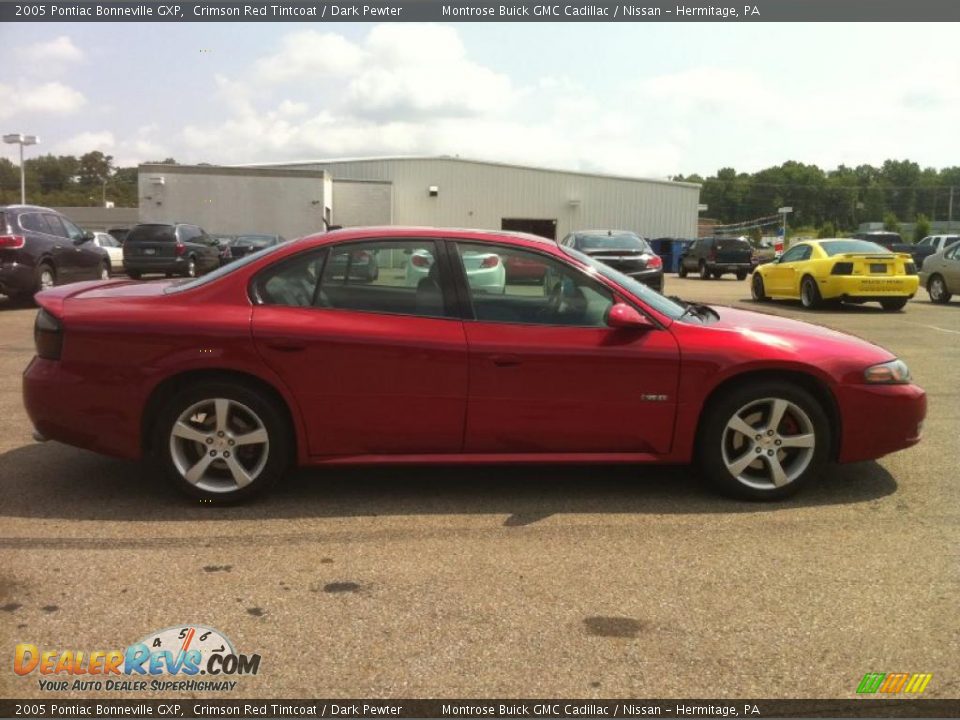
column 21, row 140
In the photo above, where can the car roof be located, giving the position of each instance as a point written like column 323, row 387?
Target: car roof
column 6, row 208
column 413, row 231
column 605, row 232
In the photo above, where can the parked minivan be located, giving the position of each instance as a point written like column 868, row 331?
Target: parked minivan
column 40, row 248
column 169, row 249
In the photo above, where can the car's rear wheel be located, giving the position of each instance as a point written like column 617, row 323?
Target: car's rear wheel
column 46, row 276
column 222, row 441
column 704, row 273
column 191, row 270
column 810, row 293
column 134, row 274
column 894, row 304
column 742, row 275
column 757, row 291
column 763, row 441
column 937, row 288
column 682, row 270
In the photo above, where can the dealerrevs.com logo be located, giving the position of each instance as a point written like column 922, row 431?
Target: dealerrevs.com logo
column 168, row 660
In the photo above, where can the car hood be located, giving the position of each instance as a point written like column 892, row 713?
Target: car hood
column 755, row 336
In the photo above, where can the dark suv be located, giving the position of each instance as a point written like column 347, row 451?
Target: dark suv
column 170, row 249
column 40, row 248
column 713, row 256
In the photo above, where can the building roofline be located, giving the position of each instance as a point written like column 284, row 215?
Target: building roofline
column 472, row 161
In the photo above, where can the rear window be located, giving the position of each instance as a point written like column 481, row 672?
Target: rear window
column 732, row 244
column 151, row 233
column 254, row 240
column 618, row 241
column 838, row 247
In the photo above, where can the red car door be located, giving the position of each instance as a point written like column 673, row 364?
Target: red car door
column 547, row 375
column 377, row 365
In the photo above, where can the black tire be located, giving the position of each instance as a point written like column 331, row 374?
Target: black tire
column 757, row 290
column 134, row 274
column 810, row 293
column 937, row 289
column 46, row 270
column 717, row 274
column 717, row 443
column 681, row 269
column 704, row 273
column 191, row 270
column 894, row 304
column 249, row 409
column 742, row 275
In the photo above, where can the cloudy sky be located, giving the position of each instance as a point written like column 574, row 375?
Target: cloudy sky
column 651, row 100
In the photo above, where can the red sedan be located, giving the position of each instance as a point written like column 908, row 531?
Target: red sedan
column 286, row 357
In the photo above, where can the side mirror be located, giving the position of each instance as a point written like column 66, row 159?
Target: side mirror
column 622, row 315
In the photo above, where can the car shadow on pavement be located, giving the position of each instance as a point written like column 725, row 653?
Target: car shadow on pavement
column 54, row 481
column 828, row 308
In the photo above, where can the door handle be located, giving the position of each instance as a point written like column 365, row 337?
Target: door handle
column 505, row 360
column 286, row 345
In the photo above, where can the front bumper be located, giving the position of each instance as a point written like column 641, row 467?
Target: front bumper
column 852, row 286
column 879, row 419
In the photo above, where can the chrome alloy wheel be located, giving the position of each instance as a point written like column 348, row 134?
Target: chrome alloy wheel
column 219, row 445
column 768, row 443
column 937, row 289
column 47, row 279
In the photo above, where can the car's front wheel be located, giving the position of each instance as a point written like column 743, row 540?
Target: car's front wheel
column 937, row 289
column 763, row 441
column 682, row 269
column 104, row 271
column 704, row 272
column 222, row 441
column 757, row 290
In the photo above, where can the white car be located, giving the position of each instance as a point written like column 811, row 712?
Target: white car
column 485, row 271
column 113, row 247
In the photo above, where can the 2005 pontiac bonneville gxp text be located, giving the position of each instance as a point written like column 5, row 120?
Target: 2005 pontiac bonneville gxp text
column 300, row 355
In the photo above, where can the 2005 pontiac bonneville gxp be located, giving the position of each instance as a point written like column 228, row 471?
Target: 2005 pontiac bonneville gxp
column 293, row 355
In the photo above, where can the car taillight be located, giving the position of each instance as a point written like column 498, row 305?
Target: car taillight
column 420, row 261
column 179, row 248
column 490, row 261
column 48, row 336
column 655, row 262
column 842, row 268
column 12, row 241
column 910, row 268
column 362, row 256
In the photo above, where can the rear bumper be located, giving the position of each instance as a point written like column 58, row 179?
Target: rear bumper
column 17, row 279
column 70, row 409
column 155, row 265
column 651, row 278
column 852, row 286
column 743, row 267
column 879, row 419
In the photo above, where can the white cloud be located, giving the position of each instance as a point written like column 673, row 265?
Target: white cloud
column 85, row 142
column 47, row 98
column 59, row 50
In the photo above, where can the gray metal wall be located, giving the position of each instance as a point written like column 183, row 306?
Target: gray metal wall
column 236, row 200
column 362, row 202
column 479, row 194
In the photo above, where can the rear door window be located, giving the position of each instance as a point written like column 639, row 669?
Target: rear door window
column 34, row 222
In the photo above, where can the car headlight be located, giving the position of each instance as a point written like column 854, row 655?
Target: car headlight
column 894, row 372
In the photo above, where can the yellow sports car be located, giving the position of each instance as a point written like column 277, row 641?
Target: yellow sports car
column 854, row 271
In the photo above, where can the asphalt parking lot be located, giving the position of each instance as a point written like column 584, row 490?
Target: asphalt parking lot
column 524, row 582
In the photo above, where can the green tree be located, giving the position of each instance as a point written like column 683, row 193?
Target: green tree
column 890, row 222
column 95, row 168
column 922, row 228
column 827, row 230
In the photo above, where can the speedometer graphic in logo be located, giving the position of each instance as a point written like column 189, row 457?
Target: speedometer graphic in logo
column 185, row 638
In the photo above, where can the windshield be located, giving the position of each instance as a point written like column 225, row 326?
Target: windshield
column 191, row 283
column 837, row 247
column 654, row 299
column 616, row 241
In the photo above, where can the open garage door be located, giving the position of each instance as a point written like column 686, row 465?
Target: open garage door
column 543, row 228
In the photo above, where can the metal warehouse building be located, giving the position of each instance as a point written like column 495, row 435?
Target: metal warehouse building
column 294, row 199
